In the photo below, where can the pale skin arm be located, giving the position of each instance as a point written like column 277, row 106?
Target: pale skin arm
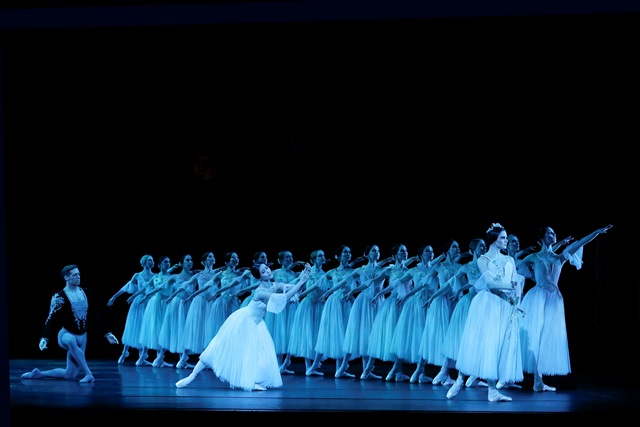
column 302, row 279
column 245, row 274
column 589, row 237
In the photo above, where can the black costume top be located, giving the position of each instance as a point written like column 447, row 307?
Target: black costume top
column 73, row 316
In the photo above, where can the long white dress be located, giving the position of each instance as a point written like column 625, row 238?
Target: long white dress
column 242, row 352
column 490, row 343
column 545, row 347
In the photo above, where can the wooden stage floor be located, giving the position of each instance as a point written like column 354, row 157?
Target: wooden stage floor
column 122, row 391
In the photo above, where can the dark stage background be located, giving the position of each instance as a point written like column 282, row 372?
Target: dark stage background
column 127, row 140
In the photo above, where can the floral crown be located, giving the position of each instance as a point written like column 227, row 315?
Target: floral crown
column 494, row 225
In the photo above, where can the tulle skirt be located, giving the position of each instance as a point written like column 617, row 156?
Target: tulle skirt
column 436, row 324
column 133, row 323
column 456, row 326
column 490, row 343
column 408, row 332
column 361, row 317
column 333, row 324
column 242, row 352
column 195, row 339
column 545, row 347
column 384, row 325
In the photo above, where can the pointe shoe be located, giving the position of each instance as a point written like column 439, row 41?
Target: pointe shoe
column 143, row 362
column 288, row 372
column 284, row 366
column 440, row 378
column 400, row 377
column 258, row 387
column 472, row 382
column 455, row 389
column 448, row 382
column 123, row 357
column 88, row 379
column 162, row 364
column 374, row 376
column 341, row 373
column 424, row 379
column 390, row 376
column 184, row 382
column 311, row 373
column 500, row 385
column 539, row 386
column 494, row 396
column 475, row 382
column 414, row 377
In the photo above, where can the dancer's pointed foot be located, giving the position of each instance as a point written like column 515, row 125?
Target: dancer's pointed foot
column 311, row 373
column 35, row 374
column 88, row 379
column 143, row 362
column 400, row 377
column 495, row 396
column 475, row 382
column 500, row 385
column 455, row 389
column 391, row 376
column 284, row 366
column 425, row 379
column 448, row 382
column 258, row 387
column 159, row 363
column 123, row 356
column 288, row 372
column 441, row 377
column 184, row 382
column 540, row 386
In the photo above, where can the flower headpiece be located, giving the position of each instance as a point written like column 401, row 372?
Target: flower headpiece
column 494, row 225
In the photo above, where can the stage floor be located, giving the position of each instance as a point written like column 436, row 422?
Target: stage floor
column 124, row 390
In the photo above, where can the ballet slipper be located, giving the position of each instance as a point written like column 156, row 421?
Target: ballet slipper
column 143, row 362
column 122, row 358
column 374, row 376
column 284, row 366
column 448, row 382
column 540, row 386
column 424, row 379
column 472, row 382
column 312, row 369
column 184, row 382
column 442, row 376
column 500, row 385
column 33, row 374
column 311, row 373
column 88, row 379
column 288, row 372
column 258, row 387
column 400, row 377
column 391, row 375
column 495, row 396
column 455, row 388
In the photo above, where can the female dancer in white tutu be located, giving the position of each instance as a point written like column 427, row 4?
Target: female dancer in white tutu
column 242, row 352
column 489, row 347
column 545, row 347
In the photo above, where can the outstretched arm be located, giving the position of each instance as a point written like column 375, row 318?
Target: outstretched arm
column 588, row 238
column 302, row 279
